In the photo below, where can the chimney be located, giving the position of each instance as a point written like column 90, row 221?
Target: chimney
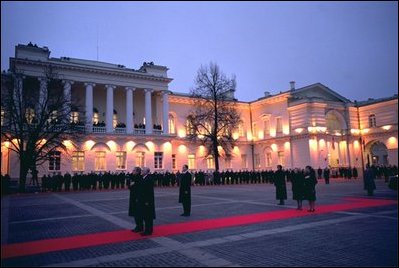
column 267, row 93
column 292, row 85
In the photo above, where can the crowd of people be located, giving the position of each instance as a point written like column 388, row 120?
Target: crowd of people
column 109, row 180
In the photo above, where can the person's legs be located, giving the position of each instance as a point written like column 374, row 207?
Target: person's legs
column 139, row 224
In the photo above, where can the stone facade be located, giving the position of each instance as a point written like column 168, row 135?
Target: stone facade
column 312, row 125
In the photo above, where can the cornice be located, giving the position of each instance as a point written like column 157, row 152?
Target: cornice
column 90, row 69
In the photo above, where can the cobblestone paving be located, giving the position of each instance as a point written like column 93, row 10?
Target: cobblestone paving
column 359, row 237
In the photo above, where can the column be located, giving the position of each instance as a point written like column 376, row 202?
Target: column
column 110, row 109
column 129, row 110
column 89, row 106
column 165, row 112
column 17, row 96
column 67, row 96
column 42, row 93
column 148, row 111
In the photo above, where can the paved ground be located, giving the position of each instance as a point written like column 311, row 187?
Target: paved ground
column 355, row 237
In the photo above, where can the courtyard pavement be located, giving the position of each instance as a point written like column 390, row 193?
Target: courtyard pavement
column 231, row 225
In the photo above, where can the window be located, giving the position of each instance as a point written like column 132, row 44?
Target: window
column 114, row 120
column 29, row 115
column 240, row 130
column 2, row 116
column 140, row 159
column 255, row 129
column 257, row 161
column 372, row 120
column 210, row 162
column 171, row 122
column 99, row 160
column 158, row 156
column 191, row 161
column 174, row 164
column 279, row 125
column 54, row 161
column 189, row 128
column 244, row 161
column 95, row 118
column 120, row 160
column 78, row 161
column 227, row 163
column 281, row 158
column 268, row 159
column 75, row 117
column 53, row 117
column 266, row 127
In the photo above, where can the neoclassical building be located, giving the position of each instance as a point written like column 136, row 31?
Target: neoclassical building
column 312, row 125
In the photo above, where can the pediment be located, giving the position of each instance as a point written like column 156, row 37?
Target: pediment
column 318, row 92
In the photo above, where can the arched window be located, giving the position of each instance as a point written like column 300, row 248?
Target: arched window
column 172, row 125
column 29, row 115
column 372, row 120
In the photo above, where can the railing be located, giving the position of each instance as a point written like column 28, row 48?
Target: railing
column 157, row 132
column 99, row 129
column 139, row 131
column 120, row 130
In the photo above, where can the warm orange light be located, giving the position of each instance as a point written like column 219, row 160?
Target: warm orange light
column 299, row 130
column 150, row 146
column 274, row 147
column 392, row 143
column 68, row 144
column 387, row 127
column 356, row 145
column 130, row 145
column 365, row 131
column 182, row 149
column 313, row 144
column 88, row 145
column 355, row 131
column 249, row 136
column 260, row 134
column 286, row 130
column 287, row 145
column 235, row 135
column 6, row 144
column 181, row 133
column 112, row 145
column 167, row 147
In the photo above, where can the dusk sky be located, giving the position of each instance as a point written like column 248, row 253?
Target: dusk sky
column 351, row 47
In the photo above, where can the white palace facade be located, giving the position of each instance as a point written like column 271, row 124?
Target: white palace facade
column 312, row 125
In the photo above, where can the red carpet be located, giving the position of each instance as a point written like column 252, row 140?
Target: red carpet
column 97, row 239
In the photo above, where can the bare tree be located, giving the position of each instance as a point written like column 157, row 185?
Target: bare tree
column 214, row 117
column 36, row 119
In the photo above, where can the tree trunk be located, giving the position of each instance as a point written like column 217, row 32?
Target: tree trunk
column 23, row 172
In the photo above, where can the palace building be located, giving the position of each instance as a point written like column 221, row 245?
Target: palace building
column 312, row 125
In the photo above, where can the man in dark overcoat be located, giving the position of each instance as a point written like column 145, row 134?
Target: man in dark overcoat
column 185, row 190
column 135, row 210
column 279, row 182
column 147, row 201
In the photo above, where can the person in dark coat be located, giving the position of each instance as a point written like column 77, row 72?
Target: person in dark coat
column 67, row 179
column 147, row 201
column 185, row 190
column 134, row 205
column 326, row 175
column 279, row 182
column 369, row 183
column 310, row 187
column 297, row 181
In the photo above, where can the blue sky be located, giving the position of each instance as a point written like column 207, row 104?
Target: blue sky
column 351, row 47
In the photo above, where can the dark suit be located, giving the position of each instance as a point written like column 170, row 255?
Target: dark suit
column 279, row 182
column 135, row 210
column 185, row 192
column 147, row 202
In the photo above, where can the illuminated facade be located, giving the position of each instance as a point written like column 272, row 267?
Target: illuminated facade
column 312, row 125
